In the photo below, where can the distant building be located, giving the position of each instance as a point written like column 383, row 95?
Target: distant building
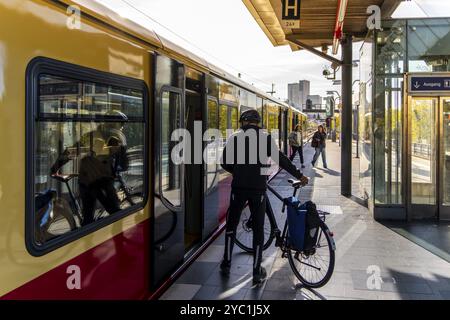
column 294, row 95
column 316, row 101
column 298, row 93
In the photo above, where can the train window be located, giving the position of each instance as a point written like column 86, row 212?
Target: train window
column 244, row 108
column 272, row 122
column 211, row 147
column 234, row 118
column 259, row 106
column 170, row 171
column 212, row 114
column 68, row 98
column 223, row 121
column 88, row 154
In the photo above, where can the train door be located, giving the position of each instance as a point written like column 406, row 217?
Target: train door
column 211, row 168
column 193, row 168
column 284, row 129
column 168, row 227
column 228, row 122
column 428, row 148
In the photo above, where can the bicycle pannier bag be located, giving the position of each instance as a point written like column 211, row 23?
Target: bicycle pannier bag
column 296, row 217
column 312, row 225
column 303, row 224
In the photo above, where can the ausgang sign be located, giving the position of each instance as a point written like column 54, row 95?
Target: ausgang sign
column 290, row 14
column 429, row 83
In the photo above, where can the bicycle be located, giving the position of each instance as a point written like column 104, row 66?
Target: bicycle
column 320, row 258
column 57, row 216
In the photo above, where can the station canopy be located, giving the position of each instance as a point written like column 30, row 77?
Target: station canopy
column 321, row 21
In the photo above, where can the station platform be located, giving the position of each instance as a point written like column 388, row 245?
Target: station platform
column 408, row 271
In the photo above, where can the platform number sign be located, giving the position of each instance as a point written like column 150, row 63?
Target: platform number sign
column 290, row 14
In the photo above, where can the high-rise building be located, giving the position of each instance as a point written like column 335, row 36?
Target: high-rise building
column 316, row 101
column 298, row 93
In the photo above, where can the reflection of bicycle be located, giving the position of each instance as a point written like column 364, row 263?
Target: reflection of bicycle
column 312, row 267
column 57, row 216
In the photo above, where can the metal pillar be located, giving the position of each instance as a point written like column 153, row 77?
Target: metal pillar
column 346, row 116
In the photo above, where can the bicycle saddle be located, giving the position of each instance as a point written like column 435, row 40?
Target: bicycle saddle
column 64, row 178
column 295, row 183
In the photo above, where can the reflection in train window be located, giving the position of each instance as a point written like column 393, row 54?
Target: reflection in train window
column 89, row 154
column 170, row 171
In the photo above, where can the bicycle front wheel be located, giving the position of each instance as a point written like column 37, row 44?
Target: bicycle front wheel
column 244, row 233
column 314, row 268
column 61, row 221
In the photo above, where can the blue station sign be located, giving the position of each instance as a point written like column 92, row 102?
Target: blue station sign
column 435, row 83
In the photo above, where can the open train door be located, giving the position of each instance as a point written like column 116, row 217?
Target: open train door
column 167, row 231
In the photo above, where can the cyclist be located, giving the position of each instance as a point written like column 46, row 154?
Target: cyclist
column 99, row 166
column 249, row 186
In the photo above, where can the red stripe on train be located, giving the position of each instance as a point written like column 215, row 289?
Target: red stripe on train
column 115, row 269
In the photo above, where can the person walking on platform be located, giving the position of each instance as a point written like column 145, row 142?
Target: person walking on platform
column 319, row 143
column 249, row 185
column 296, row 143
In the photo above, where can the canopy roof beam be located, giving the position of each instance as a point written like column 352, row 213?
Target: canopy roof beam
column 293, row 39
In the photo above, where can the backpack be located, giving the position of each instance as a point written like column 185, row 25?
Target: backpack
column 303, row 225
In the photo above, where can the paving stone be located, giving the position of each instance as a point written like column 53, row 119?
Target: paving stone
column 198, row 273
column 180, row 291
column 278, row 295
column 207, row 292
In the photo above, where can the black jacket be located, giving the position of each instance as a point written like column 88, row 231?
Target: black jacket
column 319, row 139
column 249, row 175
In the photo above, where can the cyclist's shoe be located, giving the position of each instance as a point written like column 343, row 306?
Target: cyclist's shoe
column 225, row 267
column 259, row 276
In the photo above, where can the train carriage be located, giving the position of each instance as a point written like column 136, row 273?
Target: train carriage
column 73, row 97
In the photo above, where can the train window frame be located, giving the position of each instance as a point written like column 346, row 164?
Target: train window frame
column 44, row 65
column 175, row 208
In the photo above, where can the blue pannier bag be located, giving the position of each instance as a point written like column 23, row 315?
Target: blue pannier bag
column 296, row 217
column 303, row 224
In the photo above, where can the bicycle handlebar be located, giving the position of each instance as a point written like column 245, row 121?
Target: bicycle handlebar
column 63, row 177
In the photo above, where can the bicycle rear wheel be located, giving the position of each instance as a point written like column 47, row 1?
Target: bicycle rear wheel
column 314, row 268
column 244, row 233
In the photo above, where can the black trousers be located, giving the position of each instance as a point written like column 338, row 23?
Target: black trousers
column 102, row 190
column 300, row 152
column 257, row 205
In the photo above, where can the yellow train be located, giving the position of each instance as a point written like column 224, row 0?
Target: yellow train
column 82, row 87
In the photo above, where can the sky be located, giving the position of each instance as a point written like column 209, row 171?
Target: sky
column 225, row 33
